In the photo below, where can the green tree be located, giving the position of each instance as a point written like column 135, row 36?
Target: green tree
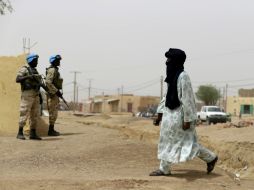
column 5, row 5
column 209, row 94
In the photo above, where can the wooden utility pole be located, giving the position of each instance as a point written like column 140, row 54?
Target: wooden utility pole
column 77, row 94
column 103, row 102
column 220, row 97
column 74, row 88
column 226, row 97
column 122, row 98
column 89, row 88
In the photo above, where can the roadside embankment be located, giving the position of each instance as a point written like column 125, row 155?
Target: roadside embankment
column 235, row 146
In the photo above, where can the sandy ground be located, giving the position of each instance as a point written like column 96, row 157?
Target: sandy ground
column 100, row 153
column 110, row 152
column 234, row 146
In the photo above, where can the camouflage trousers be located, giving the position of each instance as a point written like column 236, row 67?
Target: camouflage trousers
column 29, row 107
column 53, row 103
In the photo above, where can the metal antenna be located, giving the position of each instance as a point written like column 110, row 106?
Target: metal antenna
column 27, row 45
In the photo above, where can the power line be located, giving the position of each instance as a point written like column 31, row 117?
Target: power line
column 83, row 87
column 66, row 84
column 144, row 87
column 228, row 81
column 109, row 90
column 223, row 54
column 68, row 92
column 236, row 86
column 144, row 83
column 131, row 89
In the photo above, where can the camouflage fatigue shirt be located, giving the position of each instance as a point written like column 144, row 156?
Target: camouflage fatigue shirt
column 31, row 82
column 52, row 75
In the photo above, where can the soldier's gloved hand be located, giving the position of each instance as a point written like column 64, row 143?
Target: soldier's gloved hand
column 59, row 94
column 36, row 76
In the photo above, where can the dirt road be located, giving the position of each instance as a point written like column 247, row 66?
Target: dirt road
column 90, row 157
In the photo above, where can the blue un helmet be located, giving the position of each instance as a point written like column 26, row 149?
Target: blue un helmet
column 30, row 57
column 54, row 57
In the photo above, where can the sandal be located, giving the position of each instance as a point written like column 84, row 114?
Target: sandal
column 158, row 173
column 210, row 165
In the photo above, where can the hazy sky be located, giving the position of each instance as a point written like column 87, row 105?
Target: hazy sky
column 122, row 42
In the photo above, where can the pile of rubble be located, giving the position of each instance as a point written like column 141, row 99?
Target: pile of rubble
column 239, row 124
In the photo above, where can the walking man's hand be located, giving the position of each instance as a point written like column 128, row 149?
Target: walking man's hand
column 186, row 125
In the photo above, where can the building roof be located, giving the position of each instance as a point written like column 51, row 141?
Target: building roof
column 98, row 101
column 112, row 100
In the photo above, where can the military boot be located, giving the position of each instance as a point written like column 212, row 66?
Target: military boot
column 33, row 135
column 52, row 131
column 20, row 134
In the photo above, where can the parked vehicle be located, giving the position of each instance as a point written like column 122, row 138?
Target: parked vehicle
column 228, row 117
column 212, row 114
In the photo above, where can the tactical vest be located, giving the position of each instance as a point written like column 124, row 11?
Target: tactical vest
column 30, row 83
column 57, row 80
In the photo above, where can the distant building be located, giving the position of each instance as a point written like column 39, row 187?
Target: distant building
column 246, row 92
column 121, row 103
column 242, row 104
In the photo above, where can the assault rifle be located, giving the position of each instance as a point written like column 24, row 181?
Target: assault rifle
column 39, row 79
column 60, row 95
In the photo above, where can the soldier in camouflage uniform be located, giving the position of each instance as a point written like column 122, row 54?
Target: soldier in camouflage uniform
column 54, row 84
column 28, row 77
